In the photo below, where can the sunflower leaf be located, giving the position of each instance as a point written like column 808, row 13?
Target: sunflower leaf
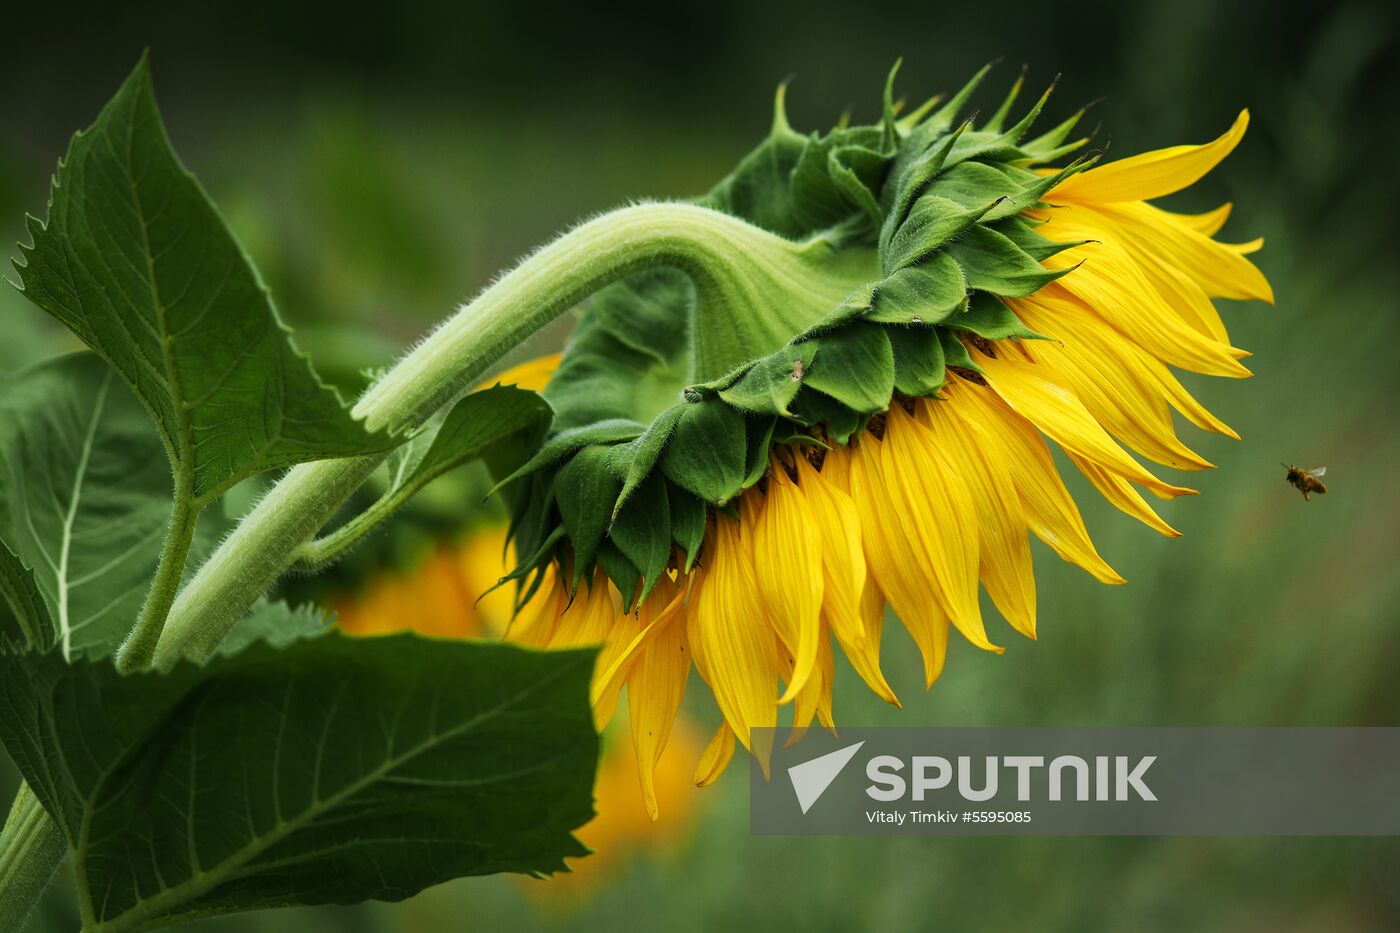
column 23, row 616
column 136, row 261
column 84, row 495
column 326, row 771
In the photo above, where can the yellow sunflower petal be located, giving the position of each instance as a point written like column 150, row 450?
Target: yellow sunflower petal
column 810, row 697
column 531, row 374
column 1208, row 223
column 536, row 621
column 1049, row 509
column 866, row 661
column 1120, row 492
column 1125, row 388
column 832, row 516
column 1113, row 284
column 1152, row 174
column 735, row 654
column 1114, row 395
column 1177, row 291
column 826, row 664
column 1060, row 414
column 629, row 636
column 589, row 620
column 941, row 520
column 715, row 758
column 888, row 555
column 787, row 554
column 655, row 686
column 835, row 518
column 1003, row 543
column 1221, row 270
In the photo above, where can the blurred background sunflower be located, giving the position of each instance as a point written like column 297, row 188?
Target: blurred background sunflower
column 382, row 168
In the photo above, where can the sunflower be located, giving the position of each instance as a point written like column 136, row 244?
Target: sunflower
column 739, row 484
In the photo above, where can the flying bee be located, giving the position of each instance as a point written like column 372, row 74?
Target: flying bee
column 1306, row 481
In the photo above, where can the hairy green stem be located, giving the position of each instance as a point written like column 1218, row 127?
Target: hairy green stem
column 733, row 264
column 137, row 652
column 31, row 848
column 322, row 552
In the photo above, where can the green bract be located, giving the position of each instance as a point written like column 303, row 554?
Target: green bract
column 854, row 260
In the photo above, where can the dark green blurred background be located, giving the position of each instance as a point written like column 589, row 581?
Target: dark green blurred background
column 382, row 166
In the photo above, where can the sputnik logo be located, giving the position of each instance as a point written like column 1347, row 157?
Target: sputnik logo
column 811, row 778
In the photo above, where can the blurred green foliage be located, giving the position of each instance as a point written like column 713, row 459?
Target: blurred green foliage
column 382, row 168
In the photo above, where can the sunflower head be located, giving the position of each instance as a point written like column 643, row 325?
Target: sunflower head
column 757, row 450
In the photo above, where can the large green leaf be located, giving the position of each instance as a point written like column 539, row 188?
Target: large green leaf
column 84, row 495
column 136, row 261
column 331, row 770
column 23, row 616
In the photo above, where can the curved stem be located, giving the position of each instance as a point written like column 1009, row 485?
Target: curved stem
column 731, row 261
column 31, row 848
column 140, row 645
column 322, row 552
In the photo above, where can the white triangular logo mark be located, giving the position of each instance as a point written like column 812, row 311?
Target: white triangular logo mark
column 811, row 778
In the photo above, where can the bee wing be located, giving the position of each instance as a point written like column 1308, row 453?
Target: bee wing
column 1318, row 472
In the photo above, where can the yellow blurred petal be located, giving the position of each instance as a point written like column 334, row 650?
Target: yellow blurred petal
column 1152, row 174
column 536, row 621
column 1060, row 414
column 1049, row 509
column 655, row 686
column 716, row 757
column 481, row 560
column 595, row 618
column 787, row 562
column 1003, row 545
column 531, row 374
column 1127, row 499
column 734, row 651
column 1244, row 249
column 1221, row 270
column 826, row 664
